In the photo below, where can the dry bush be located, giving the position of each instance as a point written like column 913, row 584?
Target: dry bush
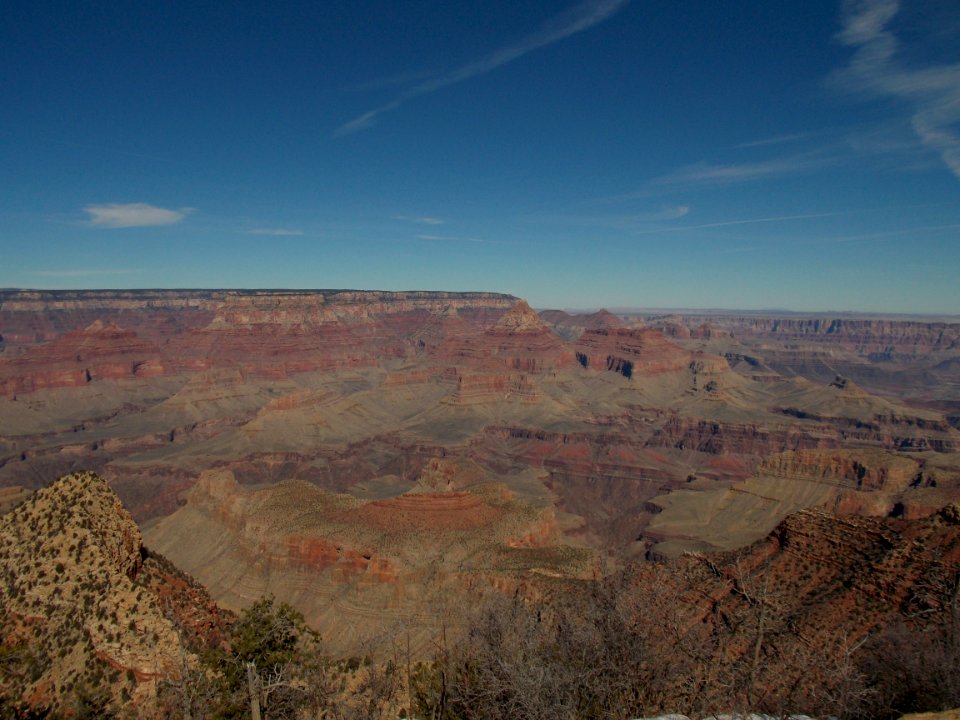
column 577, row 656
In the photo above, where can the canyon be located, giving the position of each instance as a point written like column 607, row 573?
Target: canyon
column 373, row 457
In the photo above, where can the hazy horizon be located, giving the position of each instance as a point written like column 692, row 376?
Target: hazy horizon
column 581, row 310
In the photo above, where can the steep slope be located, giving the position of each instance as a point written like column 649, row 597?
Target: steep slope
column 869, row 482
column 97, row 352
column 570, row 327
column 824, row 575
column 74, row 621
column 834, row 615
column 359, row 570
column 825, row 617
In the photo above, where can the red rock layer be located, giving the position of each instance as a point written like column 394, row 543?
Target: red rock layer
column 425, row 512
column 272, row 334
column 520, row 341
column 345, row 564
column 648, row 352
column 481, row 388
column 29, row 317
column 864, row 335
column 100, row 352
column 751, row 439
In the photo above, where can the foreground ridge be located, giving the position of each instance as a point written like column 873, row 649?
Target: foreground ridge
column 78, row 627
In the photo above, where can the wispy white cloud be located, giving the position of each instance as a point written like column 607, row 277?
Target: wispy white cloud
column 670, row 213
column 744, row 221
column 777, row 140
column 617, row 221
column 922, row 230
column 275, row 232
column 714, row 174
column 421, row 220
column 574, row 20
column 84, row 272
column 875, row 70
column 128, row 215
column 455, row 238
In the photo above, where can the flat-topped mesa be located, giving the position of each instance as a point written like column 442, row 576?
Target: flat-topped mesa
column 32, row 316
column 28, row 317
column 325, row 307
column 277, row 334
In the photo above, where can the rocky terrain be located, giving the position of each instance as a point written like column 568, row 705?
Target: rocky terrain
column 365, row 570
column 912, row 359
column 827, row 616
column 827, row 609
column 838, row 615
column 432, row 442
column 87, row 617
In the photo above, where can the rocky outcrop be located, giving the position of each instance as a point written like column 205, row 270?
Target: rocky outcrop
column 801, row 610
column 520, row 319
column 69, row 560
column 570, row 327
column 628, row 351
column 864, row 470
column 715, row 437
column 879, row 565
column 474, row 388
column 519, row 341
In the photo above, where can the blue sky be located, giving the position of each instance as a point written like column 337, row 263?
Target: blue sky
column 609, row 153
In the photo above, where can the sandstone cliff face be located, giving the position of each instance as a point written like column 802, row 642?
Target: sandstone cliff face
column 269, row 333
column 900, row 336
column 35, row 316
column 865, row 470
column 69, row 558
column 627, row 351
column 98, row 352
column 519, row 341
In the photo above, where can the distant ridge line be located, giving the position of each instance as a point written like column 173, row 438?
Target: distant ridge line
column 31, row 293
